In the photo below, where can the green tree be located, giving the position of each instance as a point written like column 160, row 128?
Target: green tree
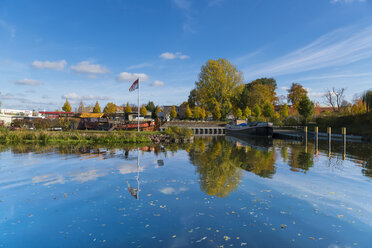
column 284, row 111
column 216, row 113
column 268, row 110
column 305, row 108
column 219, row 83
column 110, row 108
column 157, row 111
column 173, row 113
column 296, row 93
column 256, row 111
column 247, row 112
column 188, row 113
column 367, row 99
column 192, row 98
column 127, row 109
column 150, row 106
column 67, row 107
column 97, row 108
column 143, row 110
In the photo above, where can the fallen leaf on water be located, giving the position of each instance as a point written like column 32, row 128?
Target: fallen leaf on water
column 226, row 238
column 174, row 236
column 200, row 240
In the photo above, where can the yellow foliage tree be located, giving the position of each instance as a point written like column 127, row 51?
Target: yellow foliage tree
column 143, row 110
column 67, row 107
column 128, row 109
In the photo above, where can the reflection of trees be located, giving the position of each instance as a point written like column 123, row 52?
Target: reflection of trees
column 218, row 172
column 218, row 163
column 299, row 159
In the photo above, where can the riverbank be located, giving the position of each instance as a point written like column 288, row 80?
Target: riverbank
column 171, row 135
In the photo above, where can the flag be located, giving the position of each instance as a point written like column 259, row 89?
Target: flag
column 134, row 85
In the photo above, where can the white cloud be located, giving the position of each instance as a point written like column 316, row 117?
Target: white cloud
column 177, row 55
column 56, row 65
column 182, row 4
column 158, row 83
column 87, row 67
column 75, row 96
column 127, row 76
column 27, row 81
column 347, row 1
column 337, row 48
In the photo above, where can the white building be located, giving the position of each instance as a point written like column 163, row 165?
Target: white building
column 8, row 115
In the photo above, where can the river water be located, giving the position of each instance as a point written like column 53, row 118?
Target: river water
column 215, row 192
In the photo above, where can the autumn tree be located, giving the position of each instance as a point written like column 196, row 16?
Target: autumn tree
column 110, row 108
column 143, row 110
column 256, row 111
column 219, row 83
column 268, row 110
column 81, row 107
column 216, row 113
column 259, row 92
column 203, row 113
column 296, row 93
column 238, row 113
column 247, row 112
column 173, row 113
column 284, row 111
column 188, row 113
column 305, row 108
column 97, row 108
column 157, row 111
column 127, row 109
column 67, row 107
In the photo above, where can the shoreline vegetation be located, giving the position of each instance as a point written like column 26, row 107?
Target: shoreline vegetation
column 170, row 135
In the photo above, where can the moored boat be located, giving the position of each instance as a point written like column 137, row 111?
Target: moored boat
column 251, row 129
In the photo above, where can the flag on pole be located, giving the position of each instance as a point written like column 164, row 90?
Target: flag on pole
column 134, row 86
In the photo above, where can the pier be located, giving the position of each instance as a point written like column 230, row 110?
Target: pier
column 204, row 130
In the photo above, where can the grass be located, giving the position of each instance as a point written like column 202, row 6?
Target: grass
column 88, row 137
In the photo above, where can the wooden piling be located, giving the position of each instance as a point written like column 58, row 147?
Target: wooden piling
column 316, row 130
column 329, row 131
column 344, row 141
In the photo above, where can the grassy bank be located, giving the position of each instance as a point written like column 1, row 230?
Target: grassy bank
column 92, row 137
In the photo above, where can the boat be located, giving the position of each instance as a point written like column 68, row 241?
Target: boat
column 257, row 128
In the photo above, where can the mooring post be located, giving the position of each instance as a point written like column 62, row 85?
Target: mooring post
column 344, row 140
column 316, row 130
column 305, row 130
column 329, row 131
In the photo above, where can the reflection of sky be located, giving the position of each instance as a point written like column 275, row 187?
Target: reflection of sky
column 74, row 202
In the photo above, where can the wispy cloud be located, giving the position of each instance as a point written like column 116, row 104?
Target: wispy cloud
column 158, row 83
column 170, row 56
column 337, row 48
column 213, row 3
column 75, row 96
column 53, row 65
column 182, row 4
column 347, row 1
column 128, row 77
column 86, row 67
column 29, row 82
column 11, row 29
column 139, row 66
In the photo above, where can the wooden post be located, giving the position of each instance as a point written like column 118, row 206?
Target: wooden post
column 344, row 140
column 329, row 131
column 305, row 130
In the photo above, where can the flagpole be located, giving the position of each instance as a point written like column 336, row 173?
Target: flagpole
column 138, row 110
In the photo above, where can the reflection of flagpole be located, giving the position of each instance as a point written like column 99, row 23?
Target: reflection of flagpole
column 138, row 167
column 138, row 110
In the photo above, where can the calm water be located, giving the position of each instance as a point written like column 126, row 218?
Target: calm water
column 216, row 192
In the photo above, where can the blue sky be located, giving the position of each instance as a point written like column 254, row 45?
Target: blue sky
column 93, row 50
